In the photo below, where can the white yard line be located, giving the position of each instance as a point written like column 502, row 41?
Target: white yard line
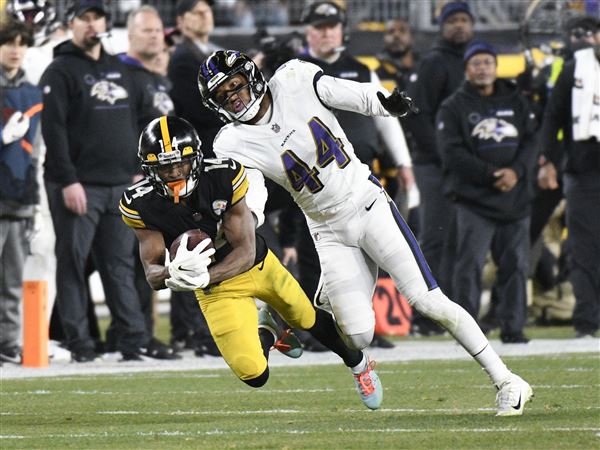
column 404, row 351
column 271, row 431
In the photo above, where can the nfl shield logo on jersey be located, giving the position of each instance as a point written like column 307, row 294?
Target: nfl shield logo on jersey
column 219, row 206
column 276, row 128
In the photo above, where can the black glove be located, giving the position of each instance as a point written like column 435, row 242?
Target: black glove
column 398, row 103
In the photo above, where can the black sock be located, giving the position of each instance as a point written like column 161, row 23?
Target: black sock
column 266, row 341
column 258, row 381
column 325, row 332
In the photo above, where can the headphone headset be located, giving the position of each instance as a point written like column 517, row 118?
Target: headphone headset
column 341, row 11
column 70, row 13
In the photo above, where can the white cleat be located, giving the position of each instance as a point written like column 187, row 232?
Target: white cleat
column 512, row 395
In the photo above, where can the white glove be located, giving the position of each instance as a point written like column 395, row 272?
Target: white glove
column 183, row 283
column 15, row 128
column 189, row 268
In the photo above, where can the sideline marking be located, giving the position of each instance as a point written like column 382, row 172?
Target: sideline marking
column 178, row 433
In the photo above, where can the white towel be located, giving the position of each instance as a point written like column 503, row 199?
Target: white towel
column 586, row 96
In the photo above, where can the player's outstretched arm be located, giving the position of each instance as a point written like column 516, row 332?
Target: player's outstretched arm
column 364, row 98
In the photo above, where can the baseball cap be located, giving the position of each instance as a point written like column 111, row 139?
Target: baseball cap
column 582, row 25
column 80, row 7
column 324, row 13
column 478, row 47
column 184, row 6
column 452, row 8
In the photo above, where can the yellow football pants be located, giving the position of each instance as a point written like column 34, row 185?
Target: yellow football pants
column 232, row 316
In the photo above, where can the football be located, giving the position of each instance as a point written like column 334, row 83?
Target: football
column 195, row 236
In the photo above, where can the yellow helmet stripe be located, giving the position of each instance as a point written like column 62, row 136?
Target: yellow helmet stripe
column 164, row 131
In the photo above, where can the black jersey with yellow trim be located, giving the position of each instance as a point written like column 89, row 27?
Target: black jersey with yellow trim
column 222, row 183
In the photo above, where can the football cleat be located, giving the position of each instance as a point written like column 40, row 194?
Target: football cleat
column 285, row 340
column 369, row 386
column 512, row 395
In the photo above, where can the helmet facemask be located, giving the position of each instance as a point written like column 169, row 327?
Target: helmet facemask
column 174, row 189
column 210, row 80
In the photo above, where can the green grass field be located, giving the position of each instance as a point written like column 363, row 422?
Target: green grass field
column 431, row 404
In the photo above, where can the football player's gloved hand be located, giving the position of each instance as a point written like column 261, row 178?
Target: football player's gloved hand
column 15, row 127
column 398, row 103
column 189, row 268
column 182, row 282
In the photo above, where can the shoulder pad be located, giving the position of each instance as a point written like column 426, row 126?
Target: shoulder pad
column 227, row 142
column 297, row 70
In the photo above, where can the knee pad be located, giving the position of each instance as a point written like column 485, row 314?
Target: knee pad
column 358, row 341
column 436, row 306
column 250, row 367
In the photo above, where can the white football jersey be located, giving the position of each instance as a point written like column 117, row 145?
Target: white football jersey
column 302, row 147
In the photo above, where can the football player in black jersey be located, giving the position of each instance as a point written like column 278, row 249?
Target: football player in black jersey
column 183, row 191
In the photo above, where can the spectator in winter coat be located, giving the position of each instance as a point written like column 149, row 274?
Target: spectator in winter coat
column 484, row 133
column 20, row 104
column 440, row 73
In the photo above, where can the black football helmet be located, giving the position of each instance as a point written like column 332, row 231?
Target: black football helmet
column 39, row 14
column 165, row 141
column 219, row 67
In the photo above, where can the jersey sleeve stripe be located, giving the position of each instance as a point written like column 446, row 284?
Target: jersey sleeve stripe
column 133, row 223
column 315, row 81
column 128, row 211
column 238, row 183
column 131, row 217
column 240, row 174
column 240, row 191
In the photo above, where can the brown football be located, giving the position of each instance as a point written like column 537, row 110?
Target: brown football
column 195, row 236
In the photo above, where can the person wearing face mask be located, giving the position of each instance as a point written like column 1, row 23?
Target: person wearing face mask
column 485, row 134
column 574, row 107
column 440, row 73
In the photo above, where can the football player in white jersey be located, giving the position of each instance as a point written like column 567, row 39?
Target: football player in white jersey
column 287, row 131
